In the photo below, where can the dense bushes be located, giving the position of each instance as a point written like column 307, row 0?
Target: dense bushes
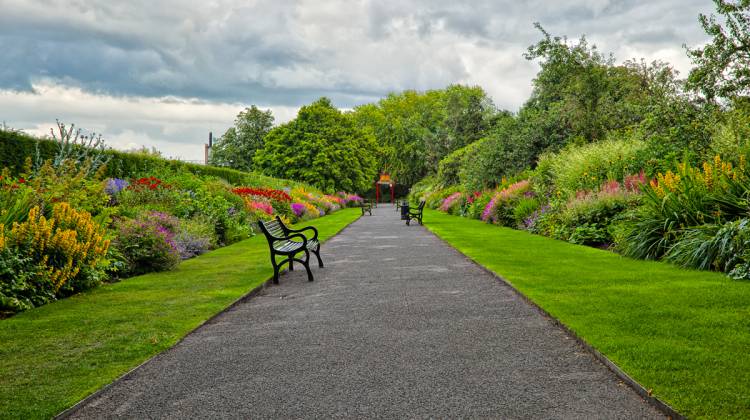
column 16, row 147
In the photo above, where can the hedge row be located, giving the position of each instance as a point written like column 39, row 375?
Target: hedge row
column 16, row 147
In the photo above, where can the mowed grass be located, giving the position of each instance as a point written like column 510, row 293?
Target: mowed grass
column 53, row 356
column 684, row 334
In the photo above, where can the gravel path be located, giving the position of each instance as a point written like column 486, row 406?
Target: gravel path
column 397, row 325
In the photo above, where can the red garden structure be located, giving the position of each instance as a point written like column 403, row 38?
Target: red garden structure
column 384, row 179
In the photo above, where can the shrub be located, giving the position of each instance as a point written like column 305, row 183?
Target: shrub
column 45, row 258
column 674, row 201
column 146, row 246
column 453, row 203
column 500, row 208
column 194, row 237
column 525, row 207
column 586, row 167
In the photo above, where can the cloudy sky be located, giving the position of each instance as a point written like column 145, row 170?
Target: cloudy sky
column 165, row 73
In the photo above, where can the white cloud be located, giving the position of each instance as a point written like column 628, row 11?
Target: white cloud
column 177, row 127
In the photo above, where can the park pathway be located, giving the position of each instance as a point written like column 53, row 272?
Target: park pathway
column 397, row 325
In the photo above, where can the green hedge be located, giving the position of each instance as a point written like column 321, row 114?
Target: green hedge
column 16, row 147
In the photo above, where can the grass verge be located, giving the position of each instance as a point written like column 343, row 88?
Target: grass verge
column 684, row 334
column 53, row 356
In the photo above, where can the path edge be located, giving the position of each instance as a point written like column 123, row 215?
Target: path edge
column 242, row 299
column 624, row 377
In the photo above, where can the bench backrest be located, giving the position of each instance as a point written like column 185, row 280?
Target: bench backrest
column 421, row 206
column 273, row 229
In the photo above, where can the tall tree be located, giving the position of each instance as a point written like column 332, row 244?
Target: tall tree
column 236, row 148
column 322, row 147
column 723, row 65
column 417, row 129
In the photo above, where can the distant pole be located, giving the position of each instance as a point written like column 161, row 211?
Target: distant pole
column 208, row 146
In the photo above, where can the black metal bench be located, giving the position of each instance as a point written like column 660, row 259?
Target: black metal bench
column 288, row 243
column 415, row 214
column 366, row 206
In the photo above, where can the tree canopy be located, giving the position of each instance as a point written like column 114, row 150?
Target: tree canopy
column 322, row 147
column 417, row 129
column 723, row 65
column 236, row 148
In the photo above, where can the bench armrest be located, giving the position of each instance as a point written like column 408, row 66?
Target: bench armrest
column 315, row 231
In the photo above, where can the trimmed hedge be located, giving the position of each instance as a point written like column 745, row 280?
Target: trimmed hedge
column 15, row 147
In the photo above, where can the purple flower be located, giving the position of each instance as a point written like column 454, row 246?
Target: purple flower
column 489, row 209
column 115, row 185
column 298, row 209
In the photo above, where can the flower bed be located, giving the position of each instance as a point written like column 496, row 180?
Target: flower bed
column 64, row 229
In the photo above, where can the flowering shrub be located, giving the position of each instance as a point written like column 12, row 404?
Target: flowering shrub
column 193, row 238
column 298, row 209
column 452, row 201
column 146, row 246
column 311, row 212
column 115, row 185
column 60, row 255
column 500, row 207
column 151, row 183
column 268, row 193
column 350, row 199
column 262, row 206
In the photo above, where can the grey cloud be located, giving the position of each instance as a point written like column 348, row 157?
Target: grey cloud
column 289, row 53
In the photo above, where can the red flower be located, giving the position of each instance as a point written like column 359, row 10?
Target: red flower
column 263, row 192
column 21, row 181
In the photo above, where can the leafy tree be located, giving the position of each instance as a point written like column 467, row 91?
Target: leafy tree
column 417, row 129
column 321, row 147
column 723, row 66
column 237, row 147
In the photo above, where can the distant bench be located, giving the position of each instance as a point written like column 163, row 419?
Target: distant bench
column 366, row 206
column 414, row 214
column 288, row 243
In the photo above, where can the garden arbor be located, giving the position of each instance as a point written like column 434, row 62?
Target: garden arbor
column 384, row 179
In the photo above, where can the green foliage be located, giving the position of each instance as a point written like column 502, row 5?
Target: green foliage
column 724, row 248
column 16, row 148
column 416, row 130
column 236, row 148
column 146, row 246
column 322, row 147
column 722, row 67
column 586, row 167
column 525, row 207
column 579, row 96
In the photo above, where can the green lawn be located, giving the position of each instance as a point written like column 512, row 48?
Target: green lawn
column 53, row 356
column 685, row 334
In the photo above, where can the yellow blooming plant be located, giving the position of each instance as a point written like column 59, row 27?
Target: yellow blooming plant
column 710, row 175
column 66, row 247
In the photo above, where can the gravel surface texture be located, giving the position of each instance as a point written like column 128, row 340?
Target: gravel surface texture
column 397, row 325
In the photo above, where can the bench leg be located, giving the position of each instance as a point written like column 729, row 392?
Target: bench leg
column 317, row 254
column 275, row 269
column 291, row 263
column 307, row 266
